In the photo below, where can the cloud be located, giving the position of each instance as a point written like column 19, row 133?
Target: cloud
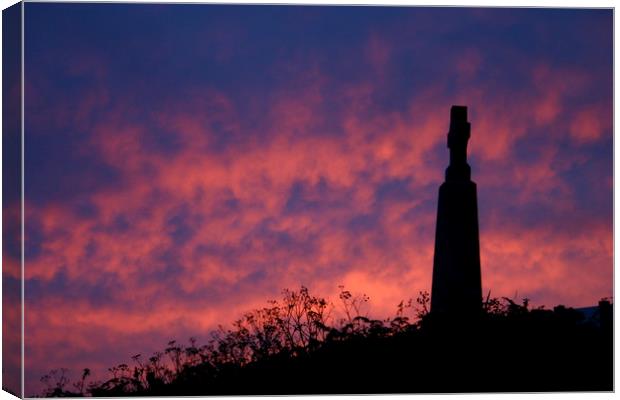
column 590, row 124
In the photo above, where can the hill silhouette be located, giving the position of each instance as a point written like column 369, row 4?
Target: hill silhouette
column 289, row 347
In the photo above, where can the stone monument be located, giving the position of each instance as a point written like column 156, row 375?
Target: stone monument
column 457, row 286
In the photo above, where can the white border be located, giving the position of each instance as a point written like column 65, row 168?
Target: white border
column 479, row 3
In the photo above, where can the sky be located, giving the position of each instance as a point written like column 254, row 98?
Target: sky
column 186, row 163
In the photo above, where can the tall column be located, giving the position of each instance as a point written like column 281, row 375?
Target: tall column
column 457, row 286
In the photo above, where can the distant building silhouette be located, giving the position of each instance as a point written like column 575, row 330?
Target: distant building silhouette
column 457, row 287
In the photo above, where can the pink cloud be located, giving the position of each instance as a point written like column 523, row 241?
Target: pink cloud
column 590, row 124
column 221, row 211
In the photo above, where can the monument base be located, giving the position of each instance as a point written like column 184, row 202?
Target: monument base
column 457, row 287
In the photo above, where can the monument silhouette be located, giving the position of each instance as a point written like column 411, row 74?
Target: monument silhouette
column 457, row 287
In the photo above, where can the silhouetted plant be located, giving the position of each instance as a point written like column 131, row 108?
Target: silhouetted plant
column 80, row 384
column 493, row 305
column 424, row 302
column 352, row 305
column 296, row 337
column 56, row 380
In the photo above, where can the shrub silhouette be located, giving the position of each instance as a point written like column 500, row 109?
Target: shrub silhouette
column 297, row 346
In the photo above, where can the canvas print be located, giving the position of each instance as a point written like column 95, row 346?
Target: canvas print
column 204, row 199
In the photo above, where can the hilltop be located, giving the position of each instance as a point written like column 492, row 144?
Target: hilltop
column 290, row 347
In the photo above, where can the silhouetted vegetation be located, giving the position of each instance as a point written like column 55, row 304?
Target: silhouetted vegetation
column 297, row 346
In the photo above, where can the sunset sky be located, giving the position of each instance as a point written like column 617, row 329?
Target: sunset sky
column 185, row 163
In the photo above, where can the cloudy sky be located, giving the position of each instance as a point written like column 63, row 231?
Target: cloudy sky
column 185, row 163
